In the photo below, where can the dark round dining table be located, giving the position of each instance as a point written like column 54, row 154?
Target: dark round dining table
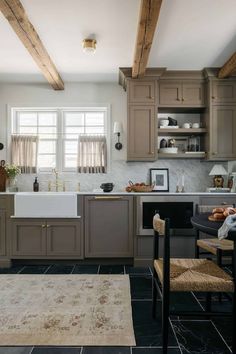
column 200, row 222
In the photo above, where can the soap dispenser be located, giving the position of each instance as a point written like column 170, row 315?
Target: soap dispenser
column 36, row 185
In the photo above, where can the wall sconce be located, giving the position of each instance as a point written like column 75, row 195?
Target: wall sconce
column 117, row 130
column 217, row 171
column 89, row 45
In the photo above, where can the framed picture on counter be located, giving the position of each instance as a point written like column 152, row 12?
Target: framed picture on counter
column 160, row 178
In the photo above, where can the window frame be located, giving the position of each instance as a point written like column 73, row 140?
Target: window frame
column 60, row 131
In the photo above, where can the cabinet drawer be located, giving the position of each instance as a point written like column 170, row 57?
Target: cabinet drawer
column 218, row 200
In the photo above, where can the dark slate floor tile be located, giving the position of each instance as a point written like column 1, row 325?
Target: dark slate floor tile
column 111, row 269
column 199, row 337
column 12, row 270
column 106, row 350
column 224, row 325
column 15, row 350
column 141, row 287
column 224, row 306
column 34, row 269
column 154, row 351
column 137, row 270
column 56, row 350
column 184, row 302
column 148, row 330
column 215, row 296
column 60, row 269
column 85, row 269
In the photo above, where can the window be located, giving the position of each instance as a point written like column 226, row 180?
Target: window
column 58, row 131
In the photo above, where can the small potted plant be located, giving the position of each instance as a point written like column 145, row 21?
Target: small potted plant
column 12, row 171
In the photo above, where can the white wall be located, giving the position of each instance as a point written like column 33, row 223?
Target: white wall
column 76, row 94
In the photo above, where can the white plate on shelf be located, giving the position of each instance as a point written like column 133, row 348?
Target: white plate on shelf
column 169, row 126
column 169, row 150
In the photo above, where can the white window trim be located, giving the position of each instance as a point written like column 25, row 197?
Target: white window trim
column 11, row 112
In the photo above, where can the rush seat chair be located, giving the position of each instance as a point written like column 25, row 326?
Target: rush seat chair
column 184, row 275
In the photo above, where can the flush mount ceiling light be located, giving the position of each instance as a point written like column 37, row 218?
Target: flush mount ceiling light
column 89, row 45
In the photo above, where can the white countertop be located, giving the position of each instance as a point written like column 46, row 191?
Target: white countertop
column 134, row 194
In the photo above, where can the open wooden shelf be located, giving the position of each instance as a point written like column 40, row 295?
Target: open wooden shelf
column 181, row 131
column 183, row 155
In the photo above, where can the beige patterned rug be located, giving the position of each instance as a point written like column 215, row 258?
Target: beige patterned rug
column 66, row 310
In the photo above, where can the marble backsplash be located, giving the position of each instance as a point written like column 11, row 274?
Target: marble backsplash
column 196, row 174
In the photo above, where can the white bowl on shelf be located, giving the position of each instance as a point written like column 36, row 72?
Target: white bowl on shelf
column 169, row 150
column 164, row 122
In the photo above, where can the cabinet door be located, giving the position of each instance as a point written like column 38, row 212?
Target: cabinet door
column 142, row 92
column 170, row 93
column 109, row 226
column 2, row 232
column 29, row 238
column 223, row 132
column 193, row 94
column 223, row 92
column 142, row 133
column 64, row 239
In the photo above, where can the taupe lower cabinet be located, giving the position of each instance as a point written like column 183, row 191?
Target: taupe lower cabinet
column 223, row 133
column 2, row 232
column 142, row 133
column 189, row 93
column 47, row 238
column 108, row 226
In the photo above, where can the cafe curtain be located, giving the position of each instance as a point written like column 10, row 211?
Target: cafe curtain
column 24, row 150
column 92, row 154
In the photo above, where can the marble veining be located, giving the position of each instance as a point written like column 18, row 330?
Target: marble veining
column 196, row 174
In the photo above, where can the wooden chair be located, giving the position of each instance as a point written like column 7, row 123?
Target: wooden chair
column 211, row 245
column 184, row 275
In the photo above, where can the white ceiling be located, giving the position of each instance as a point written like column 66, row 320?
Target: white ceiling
column 190, row 35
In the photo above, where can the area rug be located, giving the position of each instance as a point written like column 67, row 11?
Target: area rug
column 66, row 310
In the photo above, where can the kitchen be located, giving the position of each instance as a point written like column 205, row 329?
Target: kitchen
column 141, row 107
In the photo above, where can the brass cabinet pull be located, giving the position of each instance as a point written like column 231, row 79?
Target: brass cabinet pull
column 43, row 226
column 107, row 198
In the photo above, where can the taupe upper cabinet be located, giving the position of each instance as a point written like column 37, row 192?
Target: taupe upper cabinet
column 176, row 93
column 142, row 92
column 222, row 144
column 142, row 133
column 223, row 92
column 142, row 120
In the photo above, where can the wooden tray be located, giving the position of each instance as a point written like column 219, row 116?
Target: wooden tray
column 211, row 218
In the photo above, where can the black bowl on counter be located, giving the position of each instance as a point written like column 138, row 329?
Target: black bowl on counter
column 107, row 187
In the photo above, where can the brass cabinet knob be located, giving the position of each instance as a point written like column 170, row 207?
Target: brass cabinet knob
column 43, row 226
column 182, row 99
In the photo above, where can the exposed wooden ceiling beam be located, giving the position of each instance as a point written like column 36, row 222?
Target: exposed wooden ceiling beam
column 228, row 68
column 18, row 19
column 149, row 13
